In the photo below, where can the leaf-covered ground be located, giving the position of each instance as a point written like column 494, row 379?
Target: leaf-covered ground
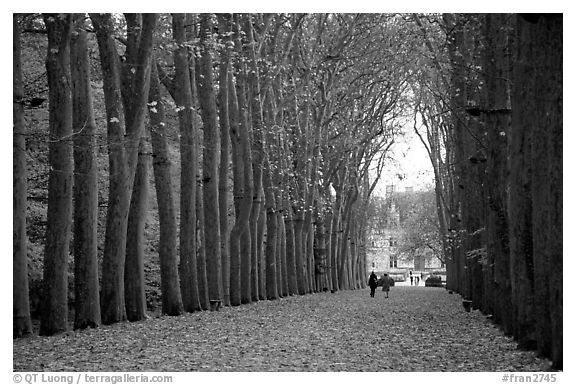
column 416, row 329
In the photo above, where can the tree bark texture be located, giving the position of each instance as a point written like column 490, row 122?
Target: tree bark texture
column 162, row 166
column 59, row 223
column 242, row 201
column 498, row 129
column 246, row 248
column 134, row 280
column 211, row 158
column 224, row 170
column 86, row 287
column 21, row 320
column 123, row 140
column 546, row 184
column 520, row 199
column 184, row 100
column 256, row 118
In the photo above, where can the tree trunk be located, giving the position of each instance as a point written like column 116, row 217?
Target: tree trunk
column 299, row 251
column 544, row 42
column 58, row 230
column 458, row 99
column 135, row 241
column 344, row 254
column 223, row 182
column 261, row 237
column 188, row 170
column 123, row 148
column 201, row 271
column 253, row 85
column 246, row 156
column 22, row 323
column 335, row 236
column 207, row 97
column 167, row 244
column 320, row 257
column 291, row 269
column 550, row 81
column 135, row 298
column 520, row 202
column 328, row 257
column 201, row 251
column 283, row 260
column 271, row 237
column 497, row 129
column 112, row 294
column 242, row 200
column 86, row 290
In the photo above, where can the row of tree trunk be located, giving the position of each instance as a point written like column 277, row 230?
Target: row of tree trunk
column 498, row 165
column 295, row 223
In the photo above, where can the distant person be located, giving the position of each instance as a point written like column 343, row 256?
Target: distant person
column 386, row 282
column 411, row 278
column 417, row 280
column 373, row 283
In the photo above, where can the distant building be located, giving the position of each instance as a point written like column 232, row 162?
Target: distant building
column 383, row 244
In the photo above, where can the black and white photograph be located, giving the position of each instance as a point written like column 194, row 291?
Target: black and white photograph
column 316, row 191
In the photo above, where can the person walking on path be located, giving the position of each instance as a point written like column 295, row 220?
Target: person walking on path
column 411, row 278
column 386, row 284
column 373, row 283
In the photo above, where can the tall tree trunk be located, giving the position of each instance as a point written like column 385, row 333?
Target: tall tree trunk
column 282, row 255
column 276, row 118
column 271, row 181
column 261, row 237
column 202, row 269
column 246, row 153
column 550, row 82
column 255, row 104
column 345, row 257
column 320, row 269
column 58, row 230
column 299, row 251
column 313, row 192
column 328, row 255
column 545, row 36
column 112, row 294
column 458, row 99
column 207, row 97
column 334, row 240
column 520, row 200
column 271, row 237
column 86, row 290
column 223, row 182
column 134, row 280
column 22, row 323
column 242, row 201
column 123, row 149
column 497, row 128
column 291, row 269
column 189, row 168
column 135, row 298
column 162, row 166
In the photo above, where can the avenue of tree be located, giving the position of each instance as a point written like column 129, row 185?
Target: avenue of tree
column 264, row 136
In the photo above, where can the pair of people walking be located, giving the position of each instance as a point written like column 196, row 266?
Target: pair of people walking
column 373, row 283
column 415, row 278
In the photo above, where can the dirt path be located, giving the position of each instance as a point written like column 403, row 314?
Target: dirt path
column 416, row 329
